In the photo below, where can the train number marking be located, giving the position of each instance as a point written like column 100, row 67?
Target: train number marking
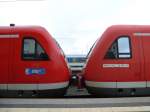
column 33, row 71
column 115, row 65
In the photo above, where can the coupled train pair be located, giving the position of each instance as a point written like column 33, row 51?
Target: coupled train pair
column 32, row 62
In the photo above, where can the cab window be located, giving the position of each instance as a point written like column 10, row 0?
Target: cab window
column 32, row 50
column 120, row 49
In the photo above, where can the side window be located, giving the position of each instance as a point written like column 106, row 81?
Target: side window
column 120, row 49
column 124, row 47
column 32, row 50
column 29, row 49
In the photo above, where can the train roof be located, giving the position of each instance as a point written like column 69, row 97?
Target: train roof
column 16, row 29
column 130, row 28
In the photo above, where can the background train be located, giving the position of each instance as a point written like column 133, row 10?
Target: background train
column 119, row 62
column 31, row 63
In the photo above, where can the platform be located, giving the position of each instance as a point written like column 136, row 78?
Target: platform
column 108, row 109
column 74, row 102
column 126, row 104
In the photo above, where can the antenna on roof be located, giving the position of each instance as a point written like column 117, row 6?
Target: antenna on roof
column 12, row 24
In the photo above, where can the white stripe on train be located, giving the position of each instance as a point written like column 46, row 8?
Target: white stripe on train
column 47, row 86
column 9, row 35
column 141, row 34
column 137, row 84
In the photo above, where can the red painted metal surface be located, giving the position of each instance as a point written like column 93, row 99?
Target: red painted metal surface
column 12, row 66
column 139, row 64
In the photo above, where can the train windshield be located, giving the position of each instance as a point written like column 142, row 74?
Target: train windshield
column 91, row 49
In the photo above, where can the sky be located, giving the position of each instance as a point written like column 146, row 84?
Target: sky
column 75, row 24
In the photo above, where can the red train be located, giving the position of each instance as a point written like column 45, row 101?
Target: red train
column 119, row 62
column 31, row 62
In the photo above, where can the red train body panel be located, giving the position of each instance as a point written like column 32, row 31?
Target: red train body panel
column 119, row 62
column 31, row 60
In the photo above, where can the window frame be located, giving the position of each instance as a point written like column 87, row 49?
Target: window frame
column 116, row 40
column 36, row 42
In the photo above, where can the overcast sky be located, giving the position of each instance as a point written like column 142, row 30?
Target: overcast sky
column 75, row 24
